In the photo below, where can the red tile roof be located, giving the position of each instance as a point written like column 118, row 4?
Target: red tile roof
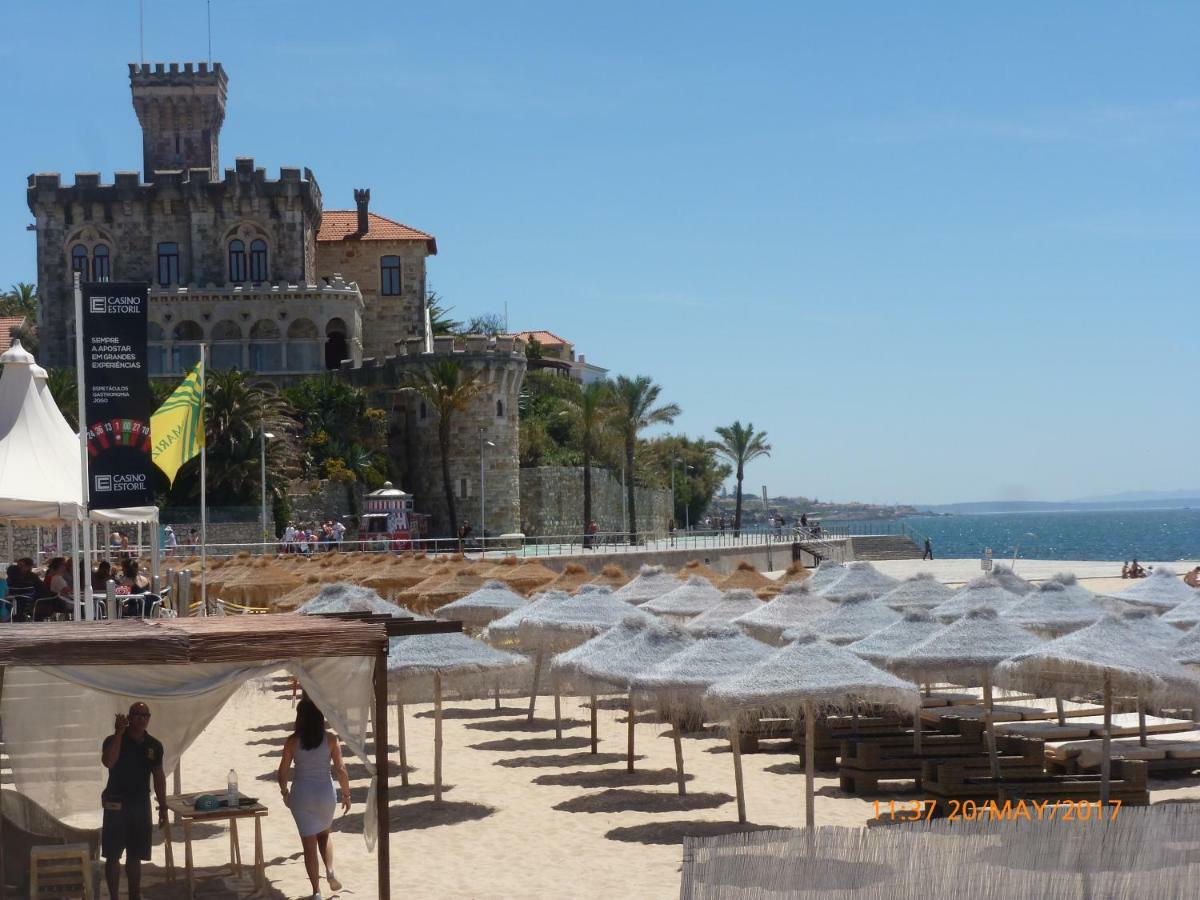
column 342, row 225
column 545, row 338
column 7, row 324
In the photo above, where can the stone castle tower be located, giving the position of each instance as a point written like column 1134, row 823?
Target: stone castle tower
column 181, row 113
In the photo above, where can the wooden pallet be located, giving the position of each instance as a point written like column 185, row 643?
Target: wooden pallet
column 60, row 871
column 864, row 765
column 949, row 781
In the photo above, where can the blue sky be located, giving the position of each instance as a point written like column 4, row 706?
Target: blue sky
column 939, row 252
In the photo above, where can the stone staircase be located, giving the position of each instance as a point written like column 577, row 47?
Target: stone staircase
column 883, row 546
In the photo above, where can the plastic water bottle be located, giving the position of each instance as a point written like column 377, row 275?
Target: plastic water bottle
column 231, row 798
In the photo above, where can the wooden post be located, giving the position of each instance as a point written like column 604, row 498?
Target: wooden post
column 557, row 713
column 1106, row 744
column 537, row 674
column 497, row 693
column 737, row 770
column 383, row 794
column 403, row 743
column 1058, row 708
column 917, row 730
column 632, row 719
column 993, row 758
column 437, row 737
column 679, row 758
column 810, row 765
column 1141, row 722
column 595, row 737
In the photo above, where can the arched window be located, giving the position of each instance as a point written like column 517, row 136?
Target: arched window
column 158, row 352
column 336, row 348
column 185, row 351
column 237, row 261
column 226, row 349
column 303, row 347
column 168, row 263
column 100, row 269
column 258, row 260
column 266, row 350
column 79, row 261
column 389, row 276
column 499, row 409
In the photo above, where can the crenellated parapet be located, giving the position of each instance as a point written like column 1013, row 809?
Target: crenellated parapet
column 181, row 110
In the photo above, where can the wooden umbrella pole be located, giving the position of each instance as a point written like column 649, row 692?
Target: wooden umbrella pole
column 734, row 743
column 679, row 758
column 989, row 727
column 537, row 674
column 595, row 738
column 403, row 745
column 557, row 713
column 1058, row 708
column 1106, row 744
column 917, row 730
column 810, row 766
column 1141, row 722
column 437, row 737
column 928, row 688
column 632, row 720
column 383, row 800
column 497, row 693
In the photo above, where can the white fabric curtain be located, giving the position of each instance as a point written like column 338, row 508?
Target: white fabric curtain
column 56, row 718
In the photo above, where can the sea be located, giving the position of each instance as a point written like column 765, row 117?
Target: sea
column 1145, row 534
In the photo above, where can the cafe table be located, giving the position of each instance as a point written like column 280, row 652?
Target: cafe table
column 183, row 808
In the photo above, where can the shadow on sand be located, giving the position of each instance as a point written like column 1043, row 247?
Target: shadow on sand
column 421, row 814
column 489, row 713
column 524, row 726
column 675, row 832
column 546, row 743
column 563, row 760
column 609, row 778
column 626, row 800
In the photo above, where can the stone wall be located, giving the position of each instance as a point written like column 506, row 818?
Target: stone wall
column 552, row 502
column 322, row 501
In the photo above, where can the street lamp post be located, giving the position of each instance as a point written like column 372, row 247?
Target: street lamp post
column 263, row 437
column 673, row 461
column 483, row 442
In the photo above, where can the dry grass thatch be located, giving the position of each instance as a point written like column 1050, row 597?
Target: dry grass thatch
column 691, row 598
column 573, row 577
column 650, row 582
column 612, row 576
column 733, row 604
column 745, row 577
column 794, row 607
column 697, row 567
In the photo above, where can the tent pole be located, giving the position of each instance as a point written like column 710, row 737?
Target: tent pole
column 383, row 794
column 679, row 757
column 537, row 674
column 1141, row 722
column 917, row 730
column 204, row 493
column 155, row 551
column 735, row 745
column 85, row 596
column 993, row 758
column 3, row 880
column 400, row 738
column 437, row 737
column 1106, row 748
column 557, row 713
column 497, row 693
column 595, row 739
column 632, row 721
column 810, row 766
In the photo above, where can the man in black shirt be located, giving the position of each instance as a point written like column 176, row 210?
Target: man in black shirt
column 132, row 757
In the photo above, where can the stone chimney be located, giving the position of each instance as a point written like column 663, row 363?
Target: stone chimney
column 362, row 198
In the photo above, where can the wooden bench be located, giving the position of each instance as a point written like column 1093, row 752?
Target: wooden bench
column 866, row 763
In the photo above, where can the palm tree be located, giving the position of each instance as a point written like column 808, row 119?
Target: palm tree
column 632, row 403
column 62, row 387
column 589, row 406
column 20, row 300
column 448, row 389
column 741, row 444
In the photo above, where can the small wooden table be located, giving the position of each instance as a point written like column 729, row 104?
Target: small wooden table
column 184, row 806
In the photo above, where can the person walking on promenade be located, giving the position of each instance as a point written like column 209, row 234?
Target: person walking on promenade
column 928, row 554
column 133, row 758
column 311, row 798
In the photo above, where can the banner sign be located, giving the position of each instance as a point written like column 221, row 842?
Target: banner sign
column 117, row 399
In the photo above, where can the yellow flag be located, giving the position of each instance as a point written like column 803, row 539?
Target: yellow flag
column 177, row 428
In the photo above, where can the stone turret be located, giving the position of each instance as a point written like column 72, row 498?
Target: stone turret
column 181, row 113
column 491, row 418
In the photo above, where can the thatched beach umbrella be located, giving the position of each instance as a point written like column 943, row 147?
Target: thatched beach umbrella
column 1109, row 651
column 526, row 578
column 678, row 683
column 506, row 630
column 826, row 572
column 694, row 596
column 745, row 577
column 618, row 663
column 859, row 578
column 1055, row 608
column 651, row 582
column 696, row 567
column 985, row 591
column 342, row 597
column 1187, row 649
column 922, row 591
column 812, row 675
column 857, row 616
column 1011, row 581
column 1186, row 614
column 732, row 604
column 564, row 667
column 454, row 657
column 794, row 607
column 966, row 652
column 1162, row 589
column 793, row 574
column 1151, row 628
column 492, row 601
column 611, row 576
column 572, row 578
column 428, row 599
column 913, row 627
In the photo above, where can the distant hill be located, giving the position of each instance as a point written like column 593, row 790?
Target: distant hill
column 1185, row 500
column 1138, row 496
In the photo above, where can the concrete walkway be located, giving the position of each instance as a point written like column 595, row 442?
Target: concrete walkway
column 957, row 571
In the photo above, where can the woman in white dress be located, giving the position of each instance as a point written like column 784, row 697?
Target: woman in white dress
column 311, row 798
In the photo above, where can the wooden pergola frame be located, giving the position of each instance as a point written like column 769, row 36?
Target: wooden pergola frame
column 229, row 639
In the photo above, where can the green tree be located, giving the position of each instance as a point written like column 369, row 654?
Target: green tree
column 632, row 401
column 696, row 471
column 439, row 315
column 20, row 300
column 490, row 324
column 61, row 383
column 741, row 444
column 448, row 389
column 590, row 411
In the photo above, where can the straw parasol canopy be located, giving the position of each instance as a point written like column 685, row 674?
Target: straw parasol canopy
column 857, row 616
column 396, row 576
column 1055, row 608
column 809, row 674
column 1186, row 614
column 696, row 567
column 858, row 578
column 257, row 583
column 493, row 600
column 572, row 578
column 300, row 595
column 795, row 606
column 1152, row 628
column 793, row 574
column 612, row 576
column 732, row 604
column 527, row 577
column 1162, row 589
column 505, row 631
column 1187, row 648
column 342, row 597
column 914, row 626
column 651, row 582
column 1113, row 652
column 691, row 598
column 1011, row 581
column 921, row 590
column 745, row 576
column 985, row 591
column 959, row 652
column 826, row 572
column 459, row 585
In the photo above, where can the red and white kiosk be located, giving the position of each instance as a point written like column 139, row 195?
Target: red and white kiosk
column 388, row 521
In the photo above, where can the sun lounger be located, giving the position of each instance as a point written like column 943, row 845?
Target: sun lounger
column 1127, row 723
column 1047, row 731
column 1172, row 754
column 865, row 764
column 950, row 785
